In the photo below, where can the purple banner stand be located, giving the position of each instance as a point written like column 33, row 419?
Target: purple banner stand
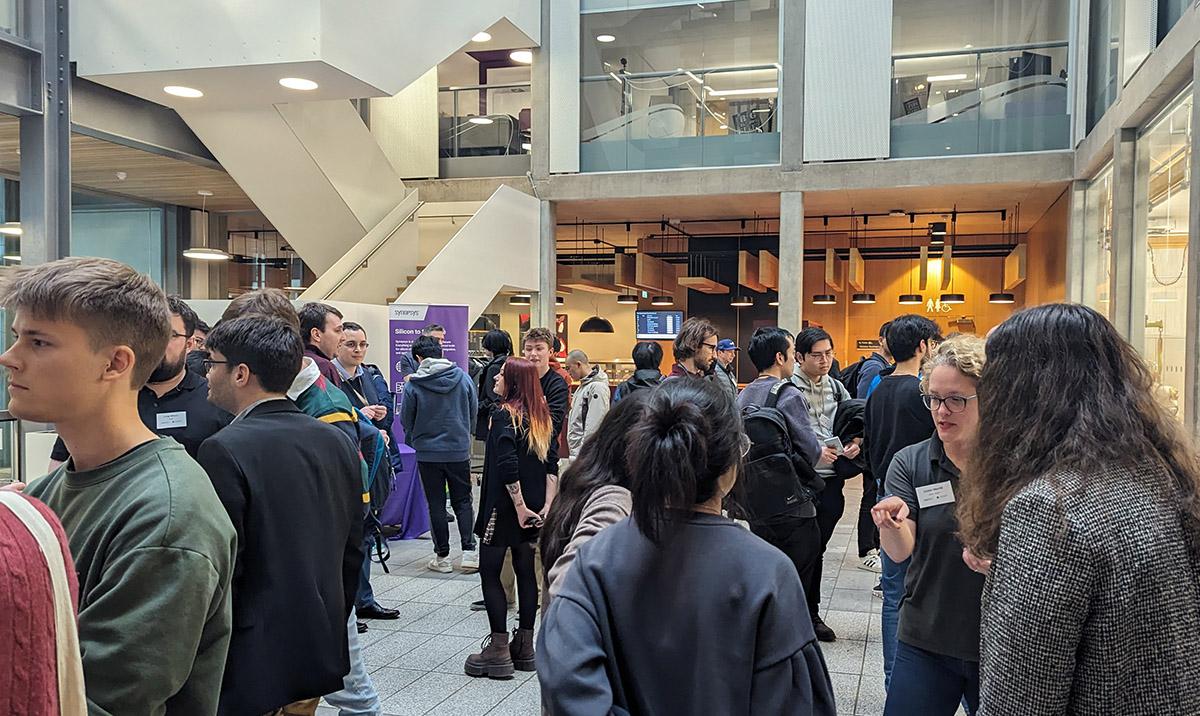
column 407, row 505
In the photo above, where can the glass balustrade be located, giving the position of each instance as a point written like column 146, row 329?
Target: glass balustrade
column 484, row 120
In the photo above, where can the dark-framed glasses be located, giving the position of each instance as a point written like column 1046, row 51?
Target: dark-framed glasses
column 953, row 403
column 208, row 363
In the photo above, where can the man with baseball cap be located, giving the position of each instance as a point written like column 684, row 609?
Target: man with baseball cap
column 723, row 370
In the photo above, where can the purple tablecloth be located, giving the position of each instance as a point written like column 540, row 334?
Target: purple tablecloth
column 406, row 506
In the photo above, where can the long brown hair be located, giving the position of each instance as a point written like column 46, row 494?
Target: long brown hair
column 1061, row 390
column 526, row 405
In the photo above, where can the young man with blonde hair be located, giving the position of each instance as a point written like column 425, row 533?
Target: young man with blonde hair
column 154, row 549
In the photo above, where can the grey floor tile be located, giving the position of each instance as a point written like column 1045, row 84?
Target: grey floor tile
column 852, row 626
column 478, row 697
column 413, row 588
column 434, row 652
column 845, row 691
column 392, row 647
column 389, row 680
column 871, row 695
column 384, row 625
column 844, row 656
column 873, row 662
column 875, row 632
column 448, row 591
column 475, row 625
column 424, row 694
column 525, row 701
column 857, row 579
column 853, row 600
column 440, row 619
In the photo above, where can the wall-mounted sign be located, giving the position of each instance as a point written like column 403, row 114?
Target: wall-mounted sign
column 864, row 346
column 934, row 305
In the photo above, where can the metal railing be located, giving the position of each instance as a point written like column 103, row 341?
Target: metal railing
column 449, row 139
column 362, row 263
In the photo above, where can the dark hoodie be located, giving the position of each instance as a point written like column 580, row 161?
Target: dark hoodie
column 438, row 411
column 643, row 378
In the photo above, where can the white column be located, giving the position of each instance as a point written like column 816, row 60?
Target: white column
column 791, row 260
column 1191, row 378
column 543, row 307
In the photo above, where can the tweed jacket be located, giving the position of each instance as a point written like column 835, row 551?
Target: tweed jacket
column 1093, row 602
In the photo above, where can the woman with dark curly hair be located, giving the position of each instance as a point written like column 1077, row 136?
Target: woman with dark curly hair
column 1083, row 494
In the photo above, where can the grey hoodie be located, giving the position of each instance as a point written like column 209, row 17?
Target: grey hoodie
column 438, row 411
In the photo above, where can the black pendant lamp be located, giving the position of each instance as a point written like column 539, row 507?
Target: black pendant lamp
column 1005, row 297
column 596, row 324
column 521, row 299
column 741, row 300
column 627, row 298
column 863, row 298
column 910, row 298
column 953, row 298
column 1002, row 297
column 824, row 299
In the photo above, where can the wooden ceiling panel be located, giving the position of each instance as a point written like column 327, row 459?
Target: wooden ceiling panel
column 148, row 177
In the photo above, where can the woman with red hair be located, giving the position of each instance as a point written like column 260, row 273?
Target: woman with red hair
column 512, row 505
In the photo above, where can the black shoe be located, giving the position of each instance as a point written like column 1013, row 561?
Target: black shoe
column 362, row 627
column 449, row 516
column 377, row 612
column 823, row 632
column 478, row 606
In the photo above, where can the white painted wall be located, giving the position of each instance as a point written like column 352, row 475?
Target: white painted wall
column 406, row 127
column 562, row 52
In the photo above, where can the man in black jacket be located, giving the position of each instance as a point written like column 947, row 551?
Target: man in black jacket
column 291, row 486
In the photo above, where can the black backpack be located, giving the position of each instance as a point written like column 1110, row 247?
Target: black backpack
column 778, row 483
column 850, row 376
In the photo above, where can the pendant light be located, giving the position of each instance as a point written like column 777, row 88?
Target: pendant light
column 627, row 298
column 662, row 299
column 952, row 298
column 559, row 300
column 1005, row 297
column 937, row 233
column 742, row 299
column 825, row 299
column 596, row 324
column 862, row 297
column 774, row 302
column 205, row 253
column 521, row 299
column 910, row 298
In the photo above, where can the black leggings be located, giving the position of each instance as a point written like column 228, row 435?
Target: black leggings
column 491, row 562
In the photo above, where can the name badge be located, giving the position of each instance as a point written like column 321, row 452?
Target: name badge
column 933, row 495
column 167, row 421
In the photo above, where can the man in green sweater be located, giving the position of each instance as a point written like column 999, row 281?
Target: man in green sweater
column 153, row 547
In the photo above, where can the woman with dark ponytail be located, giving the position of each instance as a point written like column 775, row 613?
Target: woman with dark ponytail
column 678, row 609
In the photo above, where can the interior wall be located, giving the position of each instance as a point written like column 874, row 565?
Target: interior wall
column 1047, row 254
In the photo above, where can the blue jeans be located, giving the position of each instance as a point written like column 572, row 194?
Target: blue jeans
column 366, row 595
column 358, row 696
column 929, row 684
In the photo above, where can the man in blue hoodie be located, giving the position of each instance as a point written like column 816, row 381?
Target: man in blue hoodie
column 438, row 414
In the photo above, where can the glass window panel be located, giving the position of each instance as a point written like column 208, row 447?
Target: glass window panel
column 680, row 86
column 1104, row 55
column 1098, row 205
column 132, row 236
column 1169, row 12
column 1164, row 151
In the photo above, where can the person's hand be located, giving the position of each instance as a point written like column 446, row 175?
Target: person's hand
column 386, row 440
column 13, row 487
column 375, row 412
column 890, row 513
column 828, row 455
column 528, row 518
column 852, row 451
column 975, row 564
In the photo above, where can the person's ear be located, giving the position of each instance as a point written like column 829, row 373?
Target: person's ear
column 241, row 375
column 121, row 362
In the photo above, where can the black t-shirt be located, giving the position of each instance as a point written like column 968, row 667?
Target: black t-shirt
column 896, row 418
column 183, row 413
column 940, row 609
column 558, row 396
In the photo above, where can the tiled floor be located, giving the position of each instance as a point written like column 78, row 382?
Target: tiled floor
column 417, row 660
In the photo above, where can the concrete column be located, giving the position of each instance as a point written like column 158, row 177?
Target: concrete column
column 1126, row 305
column 1078, row 278
column 543, row 307
column 791, row 94
column 539, row 139
column 1191, row 378
column 791, row 260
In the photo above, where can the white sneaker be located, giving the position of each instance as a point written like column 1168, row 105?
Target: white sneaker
column 470, row 561
column 441, row 564
column 871, row 562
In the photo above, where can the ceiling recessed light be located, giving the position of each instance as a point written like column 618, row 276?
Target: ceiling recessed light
column 10, row 228
column 205, row 193
column 298, row 83
column 743, row 91
column 482, row 37
column 525, row 57
column 480, row 120
column 946, row 78
column 9, row 257
column 526, row 146
column 967, row 46
column 605, row 38
column 180, row 91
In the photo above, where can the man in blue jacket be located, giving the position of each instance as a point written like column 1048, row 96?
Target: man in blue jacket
column 438, row 413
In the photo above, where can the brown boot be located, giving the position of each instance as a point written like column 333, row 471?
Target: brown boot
column 521, row 650
column 495, row 661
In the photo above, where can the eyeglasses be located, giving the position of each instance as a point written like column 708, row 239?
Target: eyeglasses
column 208, row 363
column 356, row 346
column 710, row 345
column 177, row 335
column 953, row 403
column 744, row 445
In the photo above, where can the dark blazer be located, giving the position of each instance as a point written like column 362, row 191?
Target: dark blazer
column 291, row 485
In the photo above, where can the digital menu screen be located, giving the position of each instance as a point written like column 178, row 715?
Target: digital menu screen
column 658, row 325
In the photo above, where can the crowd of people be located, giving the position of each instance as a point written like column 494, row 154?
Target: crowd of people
column 1032, row 511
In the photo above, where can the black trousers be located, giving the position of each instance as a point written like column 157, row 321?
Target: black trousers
column 868, row 533
column 831, row 503
column 436, row 477
column 800, row 540
column 491, row 562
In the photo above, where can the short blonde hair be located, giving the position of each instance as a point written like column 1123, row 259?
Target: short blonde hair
column 966, row 353
column 263, row 302
column 114, row 304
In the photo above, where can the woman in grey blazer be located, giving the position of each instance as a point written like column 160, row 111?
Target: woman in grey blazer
column 1083, row 494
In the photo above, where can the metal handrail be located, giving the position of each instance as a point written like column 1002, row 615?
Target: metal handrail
column 467, row 88
column 675, row 73
column 981, row 50
column 361, row 264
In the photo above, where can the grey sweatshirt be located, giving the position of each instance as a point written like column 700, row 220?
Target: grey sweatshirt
column 438, row 411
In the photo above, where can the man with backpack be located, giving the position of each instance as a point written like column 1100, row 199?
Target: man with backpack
column 780, row 478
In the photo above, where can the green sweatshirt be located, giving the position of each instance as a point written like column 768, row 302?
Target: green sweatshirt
column 154, row 550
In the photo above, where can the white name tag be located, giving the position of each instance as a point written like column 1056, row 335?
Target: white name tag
column 933, row 495
column 166, row 421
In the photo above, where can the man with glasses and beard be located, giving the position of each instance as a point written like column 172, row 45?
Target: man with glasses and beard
column 174, row 402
